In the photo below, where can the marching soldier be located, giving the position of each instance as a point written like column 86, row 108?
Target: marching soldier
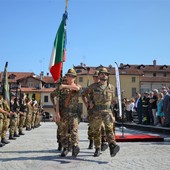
column 102, row 96
column 69, row 111
column 87, row 100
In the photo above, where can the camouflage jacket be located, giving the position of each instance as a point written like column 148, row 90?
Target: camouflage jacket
column 62, row 95
column 100, row 94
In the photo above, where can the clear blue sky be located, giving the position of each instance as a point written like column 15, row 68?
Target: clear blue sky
column 98, row 32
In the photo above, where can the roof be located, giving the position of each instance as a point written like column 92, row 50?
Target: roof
column 16, row 75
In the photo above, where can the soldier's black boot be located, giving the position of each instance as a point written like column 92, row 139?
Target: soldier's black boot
column 1, row 144
column 59, row 146
column 90, row 144
column 114, row 149
column 3, row 140
column 16, row 135
column 75, row 151
column 11, row 137
column 97, row 152
column 28, row 128
column 21, row 133
column 64, row 152
column 104, row 146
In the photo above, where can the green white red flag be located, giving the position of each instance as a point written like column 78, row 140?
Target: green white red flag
column 58, row 52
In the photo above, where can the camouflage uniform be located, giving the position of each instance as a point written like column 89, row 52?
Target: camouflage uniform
column 69, row 119
column 34, row 112
column 6, row 122
column 1, row 120
column 28, row 114
column 37, row 118
column 13, row 120
column 102, row 95
column 104, row 145
column 22, row 116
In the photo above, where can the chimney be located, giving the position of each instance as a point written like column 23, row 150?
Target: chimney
column 41, row 75
column 154, row 62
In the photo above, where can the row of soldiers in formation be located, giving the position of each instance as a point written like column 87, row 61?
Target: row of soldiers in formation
column 98, row 98
column 22, row 113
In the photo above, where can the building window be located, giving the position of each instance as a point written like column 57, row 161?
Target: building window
column 133, row 79
column 80, row 79
column 133, row 91
column 46, row 99
column 154, row 74
column 164, row 74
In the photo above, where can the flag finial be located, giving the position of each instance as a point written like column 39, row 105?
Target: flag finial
column 66, row 7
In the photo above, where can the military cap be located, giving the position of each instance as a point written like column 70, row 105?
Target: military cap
column 71, row 72
column 96, row 73
column 103, row 70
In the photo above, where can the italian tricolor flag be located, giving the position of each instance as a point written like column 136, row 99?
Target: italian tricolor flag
column 58, row 52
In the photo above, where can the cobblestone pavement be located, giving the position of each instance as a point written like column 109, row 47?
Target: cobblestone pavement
column 37, row 150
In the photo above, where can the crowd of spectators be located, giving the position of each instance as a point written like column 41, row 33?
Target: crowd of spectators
column 151, row 108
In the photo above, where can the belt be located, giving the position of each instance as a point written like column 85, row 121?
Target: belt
column 101, row 107
column 145, row 105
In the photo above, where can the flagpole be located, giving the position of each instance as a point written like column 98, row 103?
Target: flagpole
column 65, row 15
column 119, row 95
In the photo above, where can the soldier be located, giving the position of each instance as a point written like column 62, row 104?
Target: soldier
column 22, row 103
column 5, row 110
column 34, row 112
column 102, row 96
column 28, row 113
column 69, row 109
column 13, row 118
column 3, row 114
column 86, row 100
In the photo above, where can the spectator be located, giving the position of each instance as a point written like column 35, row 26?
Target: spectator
column 153, row 101
column 138, row 107
column 145, row 108
column 160, row 113
column 166, row 108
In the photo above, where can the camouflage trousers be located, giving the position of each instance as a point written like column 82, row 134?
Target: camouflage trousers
column 13, row 124
column 33, row 120
column 69, row 129
column 107, row 119
column 91, row 130
column 22, row 121
column 90, row 126
column 6, row 121
column 1, row 123
column 28, row 120
column 37, row 120
column 58, row 135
